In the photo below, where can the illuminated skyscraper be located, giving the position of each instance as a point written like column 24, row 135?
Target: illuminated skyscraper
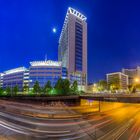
column 73, row 46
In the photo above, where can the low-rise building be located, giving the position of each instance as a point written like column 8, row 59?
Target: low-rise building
column 43, row 71
column 92, row 88
column 133, row 75
column 15, row 77
column 121, row 78
column 1, row 80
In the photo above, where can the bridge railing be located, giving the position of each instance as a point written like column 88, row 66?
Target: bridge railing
column 112, row 94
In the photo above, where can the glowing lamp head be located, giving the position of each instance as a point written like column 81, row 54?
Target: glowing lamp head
column 137, row 80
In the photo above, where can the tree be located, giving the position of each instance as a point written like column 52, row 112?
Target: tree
column 47, row 87
column 74, row 86
column 15, row 89
column 26, row 88
column 62, row 86
column 135, row 87
column 138, row 87
column 1, row 90
column 8, row 90
column 66, row 86
column 59, row 86
column 36, row 87
column 132, row 88
column 102, row 85
column 114, row 84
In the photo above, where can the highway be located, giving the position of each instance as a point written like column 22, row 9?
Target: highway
column 21, row 121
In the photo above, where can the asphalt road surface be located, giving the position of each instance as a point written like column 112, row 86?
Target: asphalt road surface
column 20, row 121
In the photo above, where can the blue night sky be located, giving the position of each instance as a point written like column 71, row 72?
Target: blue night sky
column 113, row 32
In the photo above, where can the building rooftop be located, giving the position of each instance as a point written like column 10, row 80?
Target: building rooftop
column 19, row 69
column 129, row 69
column 45, row 63
column 1, row 74
column 75, row 13
column 120, row 73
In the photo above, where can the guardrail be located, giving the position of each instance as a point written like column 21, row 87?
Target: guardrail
column 112, row 95
column 125, row 98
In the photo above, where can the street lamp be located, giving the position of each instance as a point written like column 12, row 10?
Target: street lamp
column 137, row 80
column 136, row 83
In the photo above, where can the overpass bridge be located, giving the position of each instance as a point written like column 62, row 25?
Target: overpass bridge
column 125, row 98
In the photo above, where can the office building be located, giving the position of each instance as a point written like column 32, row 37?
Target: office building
column 43, row 71
column 121, row 78
column 72, row 49
column 15, row 77
column 1, row 80
column 132, row 74
column 72, row 56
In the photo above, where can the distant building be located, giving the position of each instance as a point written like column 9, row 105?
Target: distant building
column 132, row 74
column 92, row 88
column 122, row 78
column 15, row 77
column 43, row 71
column 1, row 80
column 72, row 49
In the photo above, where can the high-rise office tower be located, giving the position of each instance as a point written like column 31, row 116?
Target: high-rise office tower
column 73, row 46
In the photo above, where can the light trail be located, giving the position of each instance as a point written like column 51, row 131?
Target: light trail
column 112, row 119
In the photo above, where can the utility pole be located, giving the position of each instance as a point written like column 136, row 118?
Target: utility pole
column 99, row 106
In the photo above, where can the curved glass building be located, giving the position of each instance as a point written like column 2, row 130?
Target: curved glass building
column 15, row 77
column 43, row 71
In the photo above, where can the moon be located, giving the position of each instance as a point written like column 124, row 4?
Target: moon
column 54, row 30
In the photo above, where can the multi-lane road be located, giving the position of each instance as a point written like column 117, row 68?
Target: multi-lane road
column 20, row 121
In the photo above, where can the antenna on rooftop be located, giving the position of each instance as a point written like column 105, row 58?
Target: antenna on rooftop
column 46, row 57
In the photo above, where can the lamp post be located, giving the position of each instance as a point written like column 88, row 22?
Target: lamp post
column 136, row 82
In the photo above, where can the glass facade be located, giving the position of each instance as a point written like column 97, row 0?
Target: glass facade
column 79, row 77
column 78, row 46
column 13, row 79
column 1, row 80
column 63, row 48
column 41, row 71
column 42, row 74
column 64, row 73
